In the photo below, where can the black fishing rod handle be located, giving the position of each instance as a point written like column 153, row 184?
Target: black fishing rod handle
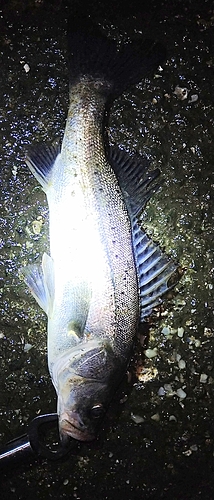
column 17, row 450
column 35, row 444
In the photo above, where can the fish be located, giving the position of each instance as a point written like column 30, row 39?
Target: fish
column 103, row 275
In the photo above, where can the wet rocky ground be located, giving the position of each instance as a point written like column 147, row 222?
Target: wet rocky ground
column 157, row 440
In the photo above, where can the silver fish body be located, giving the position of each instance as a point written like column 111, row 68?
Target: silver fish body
column 103, row 272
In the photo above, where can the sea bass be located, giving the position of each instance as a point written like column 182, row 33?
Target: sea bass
column 104, row 275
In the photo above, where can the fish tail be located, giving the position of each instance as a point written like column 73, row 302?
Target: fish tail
column 92, row 55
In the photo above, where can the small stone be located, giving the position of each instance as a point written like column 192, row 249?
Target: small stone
column 14, row 171
column 203, row 378
column 172, row 418
column 137, row 419
column 151, row 353
column 187, row 453
column 26, row 68
column 27, row 347
column 208, row 332
column 193, row 98
column 166, row 330
column 182, row 364
column 181, row 393
column 180, row 331
column 181, row 92
column 194, row 447
column 168, row 389
column 156, row 417
column 65, row 482
column 161, row 391
column 37, row 226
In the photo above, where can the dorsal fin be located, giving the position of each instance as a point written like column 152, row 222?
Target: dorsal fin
column 135, row 179
column 154, row 268
column 40, row 160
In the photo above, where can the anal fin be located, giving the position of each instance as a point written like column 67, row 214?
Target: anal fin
column 154, row 270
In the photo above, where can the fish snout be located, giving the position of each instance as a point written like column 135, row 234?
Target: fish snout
column 71, row 425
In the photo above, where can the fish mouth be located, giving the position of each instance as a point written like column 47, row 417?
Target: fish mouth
column 70, row 426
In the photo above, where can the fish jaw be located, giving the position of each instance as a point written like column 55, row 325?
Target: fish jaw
column 71, row 426
column 85, row 382
column 76, row 400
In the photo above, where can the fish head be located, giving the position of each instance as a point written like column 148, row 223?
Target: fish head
column 85, row 383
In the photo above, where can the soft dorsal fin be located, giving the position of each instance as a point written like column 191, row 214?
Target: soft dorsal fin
column 135, row 179
column 40, row 160
column 154, row 269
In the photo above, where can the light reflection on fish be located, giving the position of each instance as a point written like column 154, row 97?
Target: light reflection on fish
column 103, row 275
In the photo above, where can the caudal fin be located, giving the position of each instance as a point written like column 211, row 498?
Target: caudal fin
column 93, row 55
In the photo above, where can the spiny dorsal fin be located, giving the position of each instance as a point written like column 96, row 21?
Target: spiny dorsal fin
column 135, row 179
column 40, row 160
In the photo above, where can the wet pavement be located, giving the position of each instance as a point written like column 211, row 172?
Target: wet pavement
column 157, row 440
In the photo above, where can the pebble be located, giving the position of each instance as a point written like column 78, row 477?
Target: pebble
column 194, row 447
column 182, row 364
column 172, row 418
column 37, row 225
column 156, row 417
column 161, row 391
column 168, row 389
column 14, row 171
column 193, row 98
column 181, row 93
column 181, row 393
column 187, row 453
column 25, row 66
column 180, row 331
column 151, row 353
column 137, row 419
column 27, row 347
column 203, row 378
column 166, row 330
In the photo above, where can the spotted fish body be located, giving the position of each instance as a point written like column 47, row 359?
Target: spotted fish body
column 103, row 274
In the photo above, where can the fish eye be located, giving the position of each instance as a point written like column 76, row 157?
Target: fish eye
column 97, row 411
